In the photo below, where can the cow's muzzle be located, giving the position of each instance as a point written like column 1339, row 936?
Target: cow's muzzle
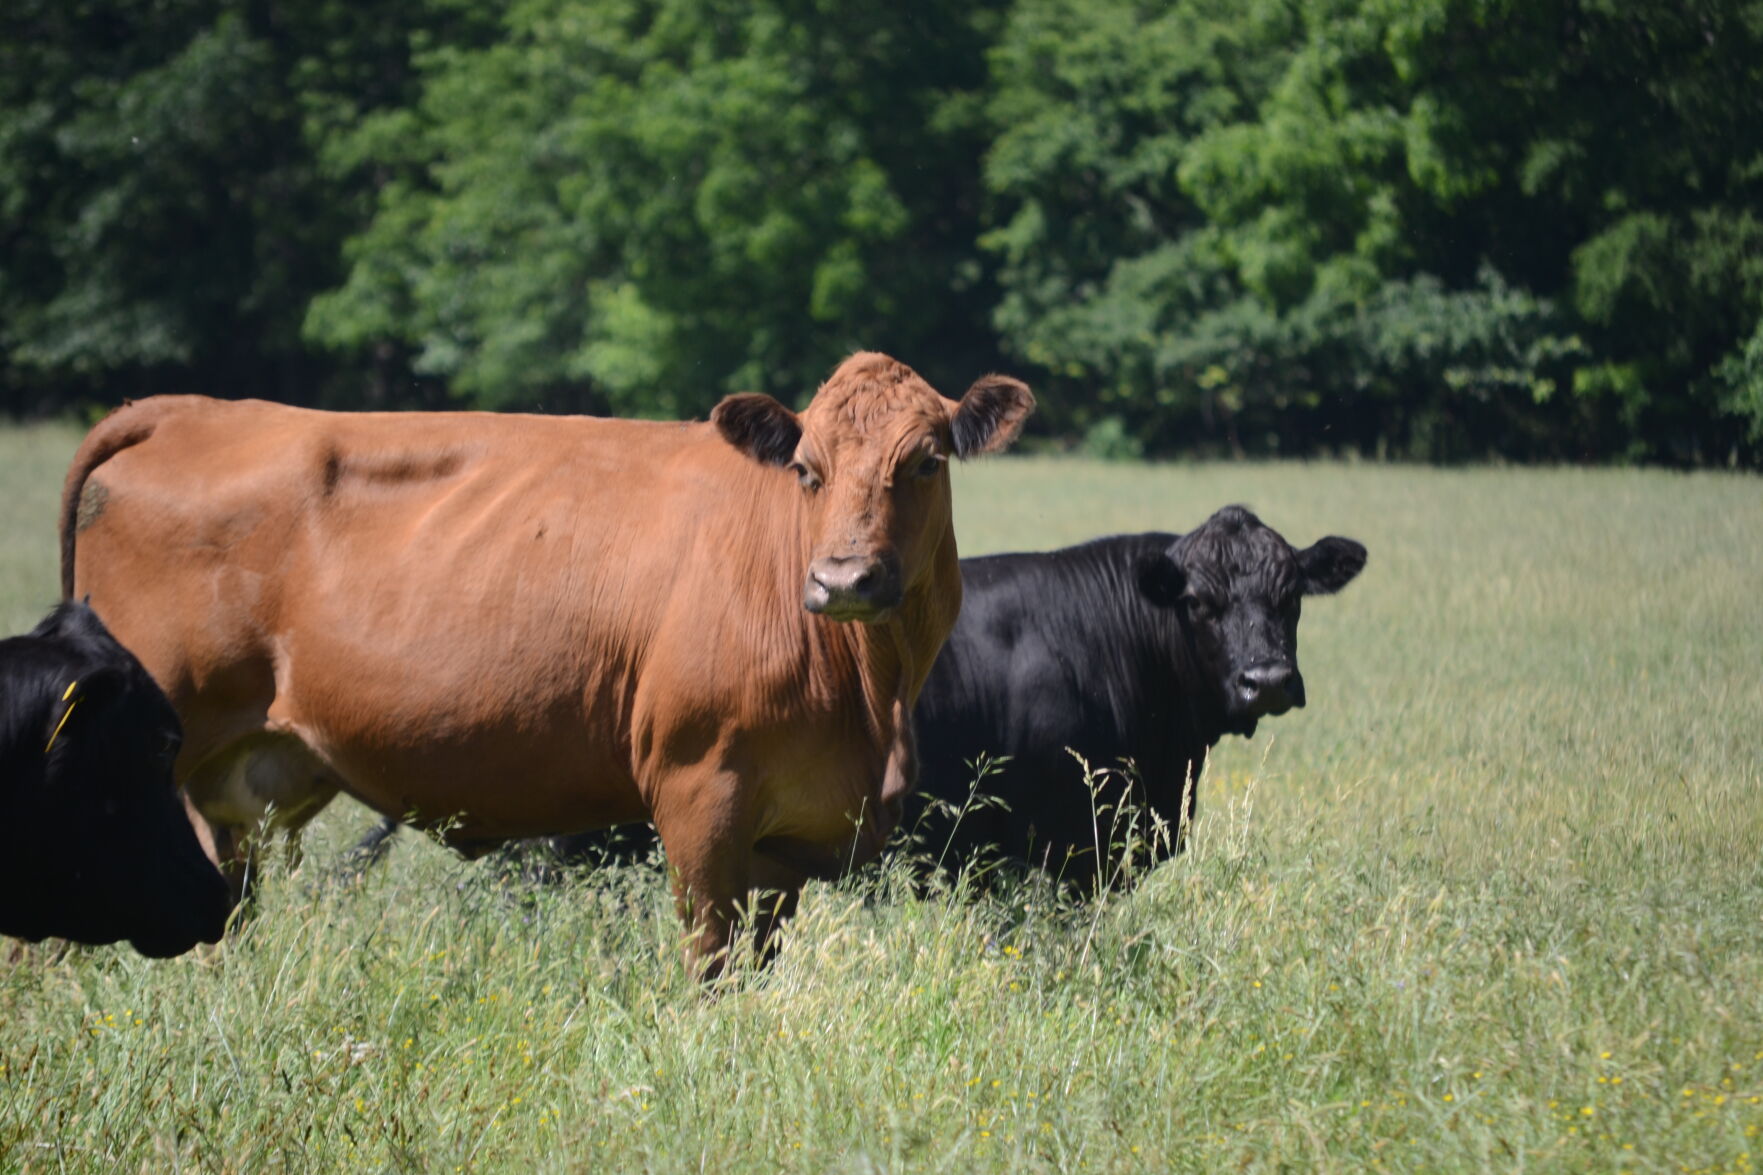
column 192, row 906
column 852, row 587
column 1268, row 688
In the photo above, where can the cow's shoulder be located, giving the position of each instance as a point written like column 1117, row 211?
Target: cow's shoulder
column 1055, row 631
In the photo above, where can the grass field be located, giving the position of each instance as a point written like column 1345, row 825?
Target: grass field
column 1494, row 900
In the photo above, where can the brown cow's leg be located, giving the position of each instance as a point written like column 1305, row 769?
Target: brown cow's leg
column 777, row 890
column 708, row 852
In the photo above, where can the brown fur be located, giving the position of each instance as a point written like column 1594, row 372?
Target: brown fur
column 510, row 626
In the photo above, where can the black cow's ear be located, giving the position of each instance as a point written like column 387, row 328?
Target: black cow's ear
column 1161, row 579
column 1330, row 564
column 77, row 698
column 758, row 426
column 991, row 414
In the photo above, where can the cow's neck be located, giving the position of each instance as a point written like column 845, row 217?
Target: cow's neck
column 1204, row 712
column 892, row 659
column 1170, row 680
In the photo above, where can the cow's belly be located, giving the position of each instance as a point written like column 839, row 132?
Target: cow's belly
column 487, row 788
column 476, row 745
column 496, row 739
column 480, row 691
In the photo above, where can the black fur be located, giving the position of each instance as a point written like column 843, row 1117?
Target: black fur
column 1330, row 565
column 991, row 414
column 1125, row 650
column 758, row 426
column 94, row 843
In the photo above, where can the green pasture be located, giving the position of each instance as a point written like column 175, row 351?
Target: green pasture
column 1494, row 900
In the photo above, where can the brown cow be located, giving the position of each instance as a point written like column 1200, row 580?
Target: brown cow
column 507, row 626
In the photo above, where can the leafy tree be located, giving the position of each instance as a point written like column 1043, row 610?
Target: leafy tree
column 1432, row 228
column 163, row 221
column 642, row 204
column 1448, row 227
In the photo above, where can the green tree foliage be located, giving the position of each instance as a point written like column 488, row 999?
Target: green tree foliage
column 163, row 219
column 642, row 204
column 1444, row 227
column 1429, row 228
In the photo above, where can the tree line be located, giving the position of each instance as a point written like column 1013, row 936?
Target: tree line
column 1425, row 229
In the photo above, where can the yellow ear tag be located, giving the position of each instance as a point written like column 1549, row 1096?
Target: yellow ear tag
column 71, row 686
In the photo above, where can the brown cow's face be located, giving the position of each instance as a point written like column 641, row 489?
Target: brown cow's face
column 871, row 454
column 878, row 505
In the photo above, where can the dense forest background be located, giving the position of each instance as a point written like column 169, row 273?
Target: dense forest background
column 1431, row 229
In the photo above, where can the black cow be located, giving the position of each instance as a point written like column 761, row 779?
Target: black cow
column 1140, row 650
column 94, row 842
column 1136, row 649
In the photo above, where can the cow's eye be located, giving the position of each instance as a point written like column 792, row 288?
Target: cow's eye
column 929, row 467
column 807, row 477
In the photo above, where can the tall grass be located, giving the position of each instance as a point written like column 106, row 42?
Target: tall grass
column 33, row 459
column 1493, row 900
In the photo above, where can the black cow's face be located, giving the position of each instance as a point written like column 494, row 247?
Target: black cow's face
column 1239, row 588
column 97, row 847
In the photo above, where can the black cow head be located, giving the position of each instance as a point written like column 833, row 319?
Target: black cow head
column 1238, row 588
column 94, row 842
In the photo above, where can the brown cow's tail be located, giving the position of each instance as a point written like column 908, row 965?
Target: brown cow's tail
column 127, row 426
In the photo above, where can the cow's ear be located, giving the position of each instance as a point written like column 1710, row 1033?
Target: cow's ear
column 991, row 414
column 75, row 702
column 1161, row 579
column 1330, row 564
column 758, row 426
